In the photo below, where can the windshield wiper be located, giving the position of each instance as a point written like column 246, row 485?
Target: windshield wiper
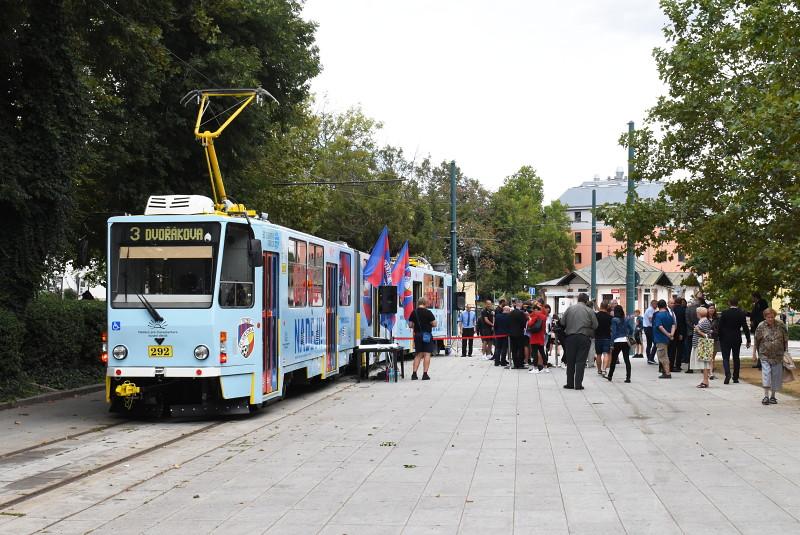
column 153, row 312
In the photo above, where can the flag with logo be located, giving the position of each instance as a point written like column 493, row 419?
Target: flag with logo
column 401, row 277
column 374, row 271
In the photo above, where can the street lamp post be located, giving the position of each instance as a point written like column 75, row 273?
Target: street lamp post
column 476, row 254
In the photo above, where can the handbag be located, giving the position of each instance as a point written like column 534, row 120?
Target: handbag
column 788, row 361
column 537, row 325
column 705, row 349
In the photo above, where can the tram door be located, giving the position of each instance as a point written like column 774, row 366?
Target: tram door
column 269, row 317
column 331, row 316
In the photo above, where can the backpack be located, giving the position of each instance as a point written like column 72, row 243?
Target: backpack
column 537, row 326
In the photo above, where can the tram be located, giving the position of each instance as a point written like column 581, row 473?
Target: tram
column 213, row 308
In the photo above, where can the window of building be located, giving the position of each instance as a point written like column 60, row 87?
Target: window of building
column 681, row 257
column 577, row 237
column 598, row 236
column 577, row 215
column 237, row 276
column 577, row 258
column 598, row 256
column 297, row 273
column 662, row 232
column 316, row 274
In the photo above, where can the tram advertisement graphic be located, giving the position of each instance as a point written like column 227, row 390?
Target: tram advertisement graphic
column 247, row 337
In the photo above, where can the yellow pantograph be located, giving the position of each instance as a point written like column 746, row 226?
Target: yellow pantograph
column 207, row 137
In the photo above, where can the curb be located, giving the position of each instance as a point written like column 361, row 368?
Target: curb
column 52, row 396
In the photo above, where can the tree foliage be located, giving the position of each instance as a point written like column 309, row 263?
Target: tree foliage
column 726, row 138
column 94, row 127
column 533, row 241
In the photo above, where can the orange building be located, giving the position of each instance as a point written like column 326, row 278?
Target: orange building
column 578, row 202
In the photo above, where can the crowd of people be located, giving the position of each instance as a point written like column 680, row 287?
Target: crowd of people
column 675, row 335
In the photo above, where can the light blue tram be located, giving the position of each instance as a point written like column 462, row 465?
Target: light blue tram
column 212, row 313
column 213, row 308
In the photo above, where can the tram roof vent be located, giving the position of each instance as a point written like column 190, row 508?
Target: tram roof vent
column 178, row 205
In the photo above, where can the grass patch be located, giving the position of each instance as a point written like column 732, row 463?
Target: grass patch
column 751, row 375
column 43, row 383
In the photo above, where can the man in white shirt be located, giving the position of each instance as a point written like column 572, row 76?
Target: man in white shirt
column 647, row 324
column 466, row 320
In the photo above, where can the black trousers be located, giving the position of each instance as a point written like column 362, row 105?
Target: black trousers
column 537, row 350
column 729, row 347
column 625, row 349
column 576, row 349
column 467, row 331
column 501, row 351
column 518, row 344
column 650, row 352
column 675, row 353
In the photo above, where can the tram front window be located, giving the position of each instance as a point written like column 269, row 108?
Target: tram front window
column 171, row 265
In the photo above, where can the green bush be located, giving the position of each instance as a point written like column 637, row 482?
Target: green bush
column 63, row 340
column 12, row 333
column 794, row 332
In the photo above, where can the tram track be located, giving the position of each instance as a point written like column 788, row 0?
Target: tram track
column 71, row 436
column 55, row 485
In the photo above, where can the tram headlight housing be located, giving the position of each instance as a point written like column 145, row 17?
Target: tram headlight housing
column 201, row 352
column 119, row 352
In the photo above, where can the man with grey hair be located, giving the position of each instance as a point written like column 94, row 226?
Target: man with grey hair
column 579, row 323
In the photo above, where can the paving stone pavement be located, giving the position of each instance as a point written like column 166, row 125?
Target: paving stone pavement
column 478, row 449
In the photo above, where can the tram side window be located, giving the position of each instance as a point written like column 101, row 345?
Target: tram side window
column 236, row 288
column 428, row 289
column 297, row 273
column 439, row 300
column 316, row 274
column 344, row 279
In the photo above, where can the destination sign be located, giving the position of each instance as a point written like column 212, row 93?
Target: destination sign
column 162, row 234
column 178, row 233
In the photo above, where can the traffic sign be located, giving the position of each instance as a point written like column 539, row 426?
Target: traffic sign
column 532, row 291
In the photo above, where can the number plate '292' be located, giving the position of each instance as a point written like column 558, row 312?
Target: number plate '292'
column 159, row 351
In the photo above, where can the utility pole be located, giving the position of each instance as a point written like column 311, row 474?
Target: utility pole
column 453, row 250
column 594, row 246
column 630, row 270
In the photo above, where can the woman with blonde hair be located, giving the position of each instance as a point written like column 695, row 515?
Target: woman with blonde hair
column 702, row 330
column 771, row 342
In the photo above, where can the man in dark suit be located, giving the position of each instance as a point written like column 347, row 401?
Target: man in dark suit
column 676, row 347
column 731, row 324
column 518, row 320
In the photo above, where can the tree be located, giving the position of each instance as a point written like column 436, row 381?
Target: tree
column 727, row 141
column 43, row 116
column 534, row 243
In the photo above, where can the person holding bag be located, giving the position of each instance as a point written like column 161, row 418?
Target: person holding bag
column 770, row 345
column 422, row 321
column 702, row 345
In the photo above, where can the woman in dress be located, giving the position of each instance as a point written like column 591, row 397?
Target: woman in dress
column 714, row 319
column 771, row 342
column 701, row 330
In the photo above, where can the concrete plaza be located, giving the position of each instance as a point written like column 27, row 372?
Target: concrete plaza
column 478, row 449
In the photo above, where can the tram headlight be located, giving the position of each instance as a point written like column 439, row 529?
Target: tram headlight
column 201, row 352
column 119, row 352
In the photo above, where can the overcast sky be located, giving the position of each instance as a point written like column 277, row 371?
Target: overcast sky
column 495, row 84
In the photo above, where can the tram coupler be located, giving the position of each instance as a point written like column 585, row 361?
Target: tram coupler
column 127, row 389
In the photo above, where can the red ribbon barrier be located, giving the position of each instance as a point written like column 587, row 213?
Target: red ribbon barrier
column 459, row 337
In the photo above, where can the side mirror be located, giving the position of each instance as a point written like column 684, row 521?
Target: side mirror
column 255, row 253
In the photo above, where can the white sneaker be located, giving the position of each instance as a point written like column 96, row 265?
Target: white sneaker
column 534, row 370
column 545, row 370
